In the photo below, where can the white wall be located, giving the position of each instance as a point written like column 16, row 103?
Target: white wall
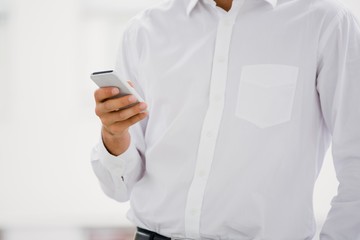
column 47, row 126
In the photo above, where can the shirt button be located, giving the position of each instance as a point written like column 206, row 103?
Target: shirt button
column 217, row 98
column 209, row 134
column 194, row 212
column 227, row 23
column 202, row 173
column 221, row 59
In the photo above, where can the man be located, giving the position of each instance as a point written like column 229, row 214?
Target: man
column 242, row 98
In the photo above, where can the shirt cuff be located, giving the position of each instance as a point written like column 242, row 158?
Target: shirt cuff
column 119, row 164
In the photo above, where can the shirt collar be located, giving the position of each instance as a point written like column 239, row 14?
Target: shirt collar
column 192, row 4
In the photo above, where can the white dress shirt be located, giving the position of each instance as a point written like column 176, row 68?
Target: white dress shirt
column 242, row 108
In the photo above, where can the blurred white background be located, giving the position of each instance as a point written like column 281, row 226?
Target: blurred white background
column 48, row 48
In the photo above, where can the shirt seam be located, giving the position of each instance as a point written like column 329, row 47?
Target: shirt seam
column 326, row 36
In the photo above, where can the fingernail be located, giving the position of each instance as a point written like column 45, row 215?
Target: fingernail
column 142, row 106
column 132, row 99
column 115, row 91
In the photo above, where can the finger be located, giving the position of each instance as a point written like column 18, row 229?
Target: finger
column 104, row 93
column 127, row 113
column 123, row 115
column 115, row 104
column 119, row 127
column 131, row 84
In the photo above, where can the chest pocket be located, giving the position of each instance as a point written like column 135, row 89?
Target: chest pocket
column 266, row 94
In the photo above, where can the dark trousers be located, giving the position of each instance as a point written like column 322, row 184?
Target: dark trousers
column 143, row 234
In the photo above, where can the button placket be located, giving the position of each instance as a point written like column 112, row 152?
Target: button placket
column 211, row 123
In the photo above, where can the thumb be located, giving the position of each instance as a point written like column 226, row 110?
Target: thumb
column 131, row 84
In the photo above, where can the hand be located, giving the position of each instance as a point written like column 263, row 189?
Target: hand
column 116, row 122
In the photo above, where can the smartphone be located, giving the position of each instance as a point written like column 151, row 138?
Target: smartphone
column 109, row 78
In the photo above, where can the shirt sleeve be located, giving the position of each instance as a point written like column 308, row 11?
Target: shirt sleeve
column 118, row 174
column 338, row 86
